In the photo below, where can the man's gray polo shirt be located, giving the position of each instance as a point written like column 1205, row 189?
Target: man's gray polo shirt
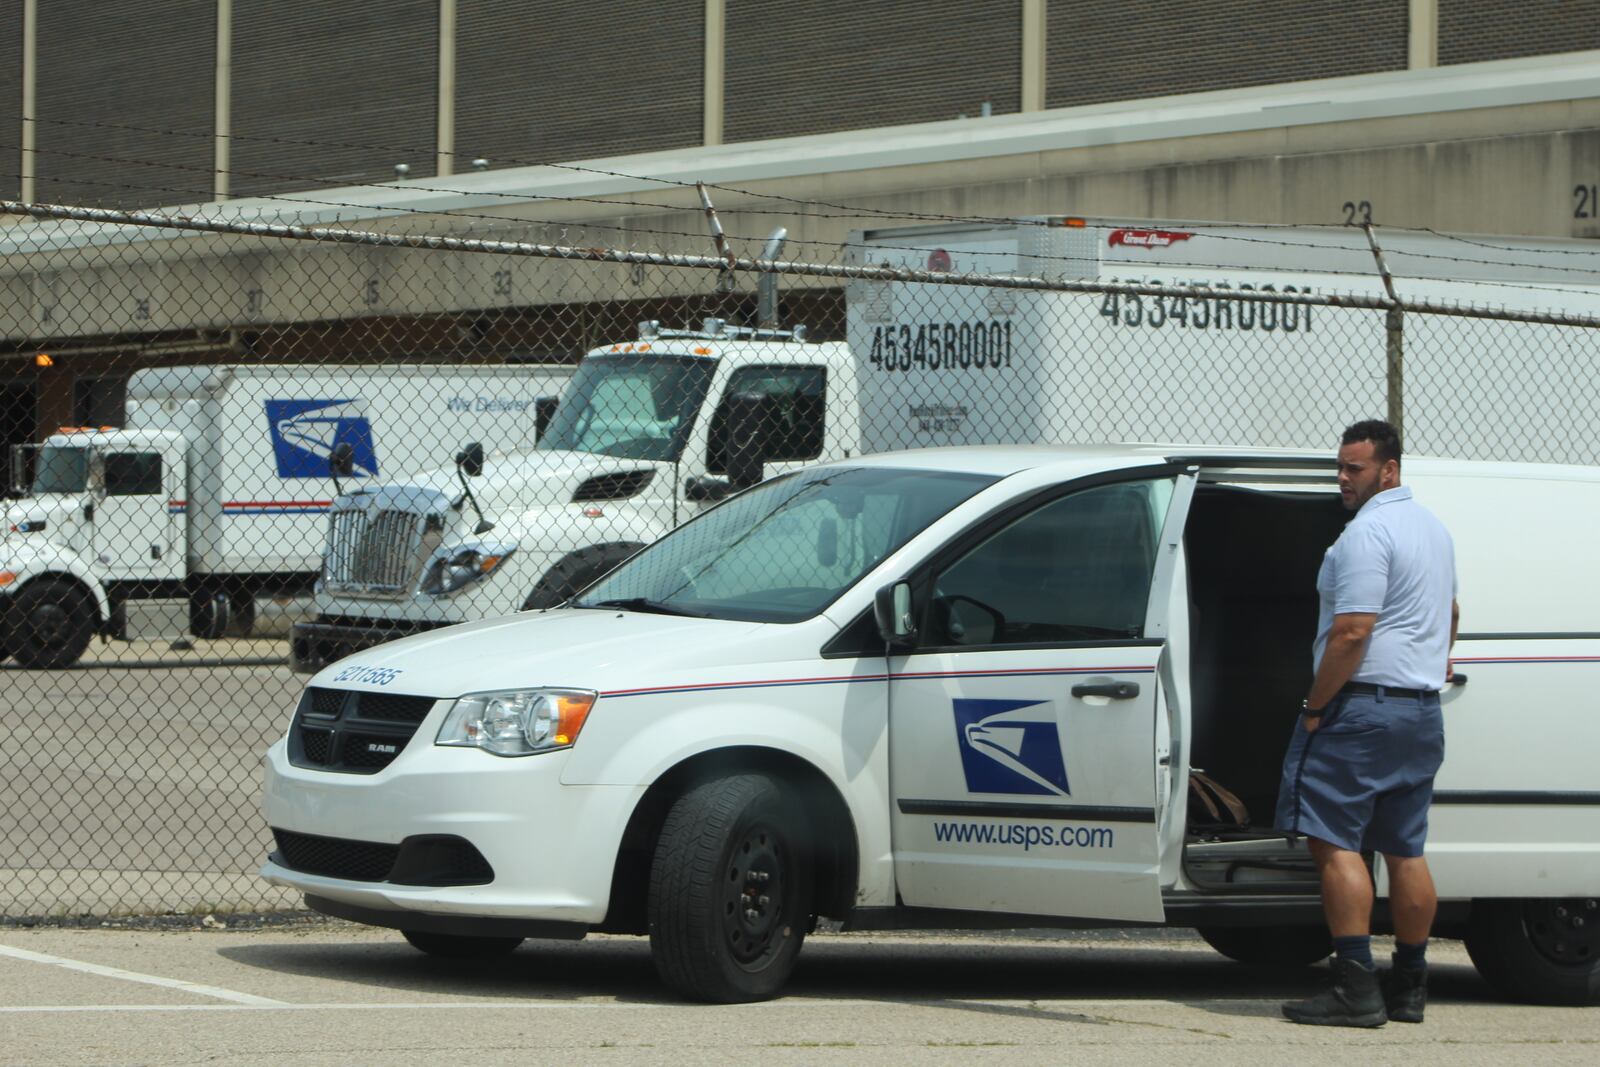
column 1395, row 560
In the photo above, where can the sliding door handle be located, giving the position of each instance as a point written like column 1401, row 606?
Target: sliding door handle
column 1114, row 690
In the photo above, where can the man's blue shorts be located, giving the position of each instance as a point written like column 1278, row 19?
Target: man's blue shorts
column 1364, row 779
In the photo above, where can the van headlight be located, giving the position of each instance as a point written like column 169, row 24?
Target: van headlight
column 517, row 722
column 448, row 573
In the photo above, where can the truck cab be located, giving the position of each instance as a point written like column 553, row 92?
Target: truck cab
column 648, row 433
column 98, row 515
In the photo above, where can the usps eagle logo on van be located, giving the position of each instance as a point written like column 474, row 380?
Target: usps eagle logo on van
column 1010, row 746
column 304, row 433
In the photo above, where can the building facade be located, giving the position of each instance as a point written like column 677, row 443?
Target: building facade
column 467, row 115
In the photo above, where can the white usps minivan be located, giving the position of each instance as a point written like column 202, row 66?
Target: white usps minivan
column 956, row 688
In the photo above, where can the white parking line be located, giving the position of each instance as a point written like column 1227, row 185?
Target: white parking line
column 262, row 1004
column 134, row 976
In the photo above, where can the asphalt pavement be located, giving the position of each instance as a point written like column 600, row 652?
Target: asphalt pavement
column 332, row 993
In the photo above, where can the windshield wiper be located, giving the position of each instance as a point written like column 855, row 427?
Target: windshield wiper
column 642, row 604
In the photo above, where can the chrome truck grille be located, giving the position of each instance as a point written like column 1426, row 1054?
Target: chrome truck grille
column 379, row 542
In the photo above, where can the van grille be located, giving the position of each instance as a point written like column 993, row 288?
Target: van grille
column 380, row 553
column 424, row 859
column 333, row 857
column 353, row 732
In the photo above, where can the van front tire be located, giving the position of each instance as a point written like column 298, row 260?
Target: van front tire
column 1270, row 946
column 1538, row 951
column 730, row 890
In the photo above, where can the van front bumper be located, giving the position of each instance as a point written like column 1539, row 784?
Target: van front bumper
column 550, row 848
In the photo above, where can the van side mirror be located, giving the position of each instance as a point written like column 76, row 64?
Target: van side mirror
column 470, row 459
column 544, row 409
column 750, row 422
column 891, row 609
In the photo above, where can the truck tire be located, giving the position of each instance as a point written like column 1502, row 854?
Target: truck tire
column 209, row 614
column 55, row 621
column 241, row 614
column 575, row 573
column 1270, row 946
column 1538, row 951
column 730, row 890
column 460, row 946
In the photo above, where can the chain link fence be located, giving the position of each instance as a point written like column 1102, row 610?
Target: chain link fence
column 245, row 447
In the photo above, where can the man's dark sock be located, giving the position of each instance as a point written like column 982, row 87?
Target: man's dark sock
column 1358, row 948
column 1411, row 957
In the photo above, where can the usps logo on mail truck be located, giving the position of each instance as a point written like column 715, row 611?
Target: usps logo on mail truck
column 1010, row 746
column 304, row 433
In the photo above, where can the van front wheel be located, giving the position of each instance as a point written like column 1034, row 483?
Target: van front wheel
column 1539, row 951
column 730, row 890
column 1270, row 946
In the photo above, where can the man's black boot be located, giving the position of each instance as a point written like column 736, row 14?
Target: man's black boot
column 1353, row 1000
column 1405, row 993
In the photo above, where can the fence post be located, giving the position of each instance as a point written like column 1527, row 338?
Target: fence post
column 1394, row 341
column 1394, row 349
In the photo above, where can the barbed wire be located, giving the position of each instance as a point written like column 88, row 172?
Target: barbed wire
column 566, row 226
column 720, row 262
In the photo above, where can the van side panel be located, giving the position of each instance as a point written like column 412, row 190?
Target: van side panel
column 1516, row 808
column 1517, row 803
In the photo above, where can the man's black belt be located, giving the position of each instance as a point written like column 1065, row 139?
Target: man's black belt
column 1368, row 689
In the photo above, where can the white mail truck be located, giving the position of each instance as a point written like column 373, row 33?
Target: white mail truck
column 945, row 364
column 649, row 432
column 218, row 487
column 964, row 687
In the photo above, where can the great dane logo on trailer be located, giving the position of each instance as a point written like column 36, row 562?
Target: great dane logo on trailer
column 304, row 433
column 1010, row 746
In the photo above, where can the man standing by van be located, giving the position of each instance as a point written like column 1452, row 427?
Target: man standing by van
column 1359, row 771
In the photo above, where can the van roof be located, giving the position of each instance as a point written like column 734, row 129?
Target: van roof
column 1078, row 459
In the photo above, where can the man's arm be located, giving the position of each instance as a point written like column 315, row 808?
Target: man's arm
column 1347, row 643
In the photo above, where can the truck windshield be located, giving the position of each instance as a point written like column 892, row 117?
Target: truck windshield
column 60, row 469
column 632, row 406
column 787, row 549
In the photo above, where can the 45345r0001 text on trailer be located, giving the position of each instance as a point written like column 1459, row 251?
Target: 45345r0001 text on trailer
column 959, row 687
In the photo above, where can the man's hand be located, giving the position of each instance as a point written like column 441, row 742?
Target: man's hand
column 1310, row 723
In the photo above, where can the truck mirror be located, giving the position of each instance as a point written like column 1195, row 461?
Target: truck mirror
column 470, row 459
column 97, row 473
column 544, row 409
column 342, row 460
column 750, row 421
column 891, row 609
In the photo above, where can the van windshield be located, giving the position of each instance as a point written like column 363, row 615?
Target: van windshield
column 784, row 550
column 60, row 469
column 632, row 406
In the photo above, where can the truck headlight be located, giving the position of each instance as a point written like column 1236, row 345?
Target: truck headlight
column 449, row 573
column 517, row 722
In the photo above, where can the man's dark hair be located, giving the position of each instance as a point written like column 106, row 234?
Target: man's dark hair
column 1384, row 437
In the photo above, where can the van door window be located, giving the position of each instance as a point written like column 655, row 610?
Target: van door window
column 801, row 401
column 133, row 473
column 1075, row 569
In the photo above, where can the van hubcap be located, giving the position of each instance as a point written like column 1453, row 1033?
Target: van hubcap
column 1565, row 931
column 753, row 902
